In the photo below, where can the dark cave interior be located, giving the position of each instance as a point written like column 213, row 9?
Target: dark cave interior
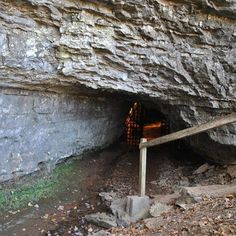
column 144, row 122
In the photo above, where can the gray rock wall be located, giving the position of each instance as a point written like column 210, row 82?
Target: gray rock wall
column 41, row 127
column 181, row 55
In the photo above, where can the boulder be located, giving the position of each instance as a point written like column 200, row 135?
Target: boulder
column 158, row 208
column 203, row 168
column 102, row 220
column 231, row 170
column 185, row 201
column 168, row 199
column 107, row 197
column 154, row 223
column 213, row 191
column 118, row 207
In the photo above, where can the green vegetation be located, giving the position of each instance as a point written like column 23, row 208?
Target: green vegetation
column 34, row 188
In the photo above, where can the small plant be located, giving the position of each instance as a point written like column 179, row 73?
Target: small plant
column 35, row 188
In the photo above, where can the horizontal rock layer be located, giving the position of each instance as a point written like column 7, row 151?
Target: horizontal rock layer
column 181, row 55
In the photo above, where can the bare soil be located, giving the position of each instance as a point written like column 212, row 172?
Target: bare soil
column 116, row 169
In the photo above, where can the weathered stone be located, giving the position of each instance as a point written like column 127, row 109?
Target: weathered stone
column 197, row 193
column 107, row 197
column 37, row 128
column 203, row 168
column 102, row 219
column 185, row 201
column 184, row 182
column 100, row 233
column 168, row 199
column 158, row 208
column 154, row 223
column 118, row 207
column 231, row 170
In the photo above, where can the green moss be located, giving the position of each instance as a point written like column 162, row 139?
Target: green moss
column 34, row 188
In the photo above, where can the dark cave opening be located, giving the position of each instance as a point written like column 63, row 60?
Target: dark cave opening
column 144, row 122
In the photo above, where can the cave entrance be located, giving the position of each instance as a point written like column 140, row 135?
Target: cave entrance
column 143, row 122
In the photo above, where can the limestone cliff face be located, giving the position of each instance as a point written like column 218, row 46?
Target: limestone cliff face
column 39, row 128
column 179, row 54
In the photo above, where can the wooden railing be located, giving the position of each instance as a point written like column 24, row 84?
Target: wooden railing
column 144, row 144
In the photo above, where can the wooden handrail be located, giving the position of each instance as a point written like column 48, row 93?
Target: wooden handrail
column 191, row 131
column 144, row 144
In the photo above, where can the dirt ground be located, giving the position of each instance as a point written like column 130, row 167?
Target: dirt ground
column 210, row 217
column 116, row 170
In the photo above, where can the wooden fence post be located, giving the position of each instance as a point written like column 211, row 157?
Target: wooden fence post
column 142, row 168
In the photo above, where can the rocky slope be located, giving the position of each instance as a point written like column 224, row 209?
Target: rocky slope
column 179, row 54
